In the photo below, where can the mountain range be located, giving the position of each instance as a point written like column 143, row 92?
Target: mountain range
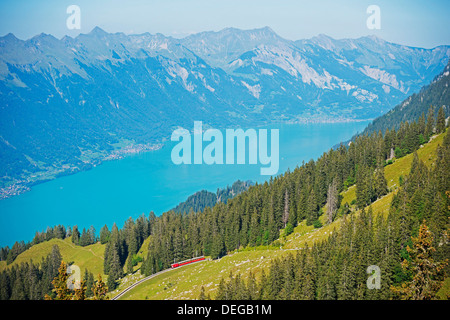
column 67, row 104
column 435, row 95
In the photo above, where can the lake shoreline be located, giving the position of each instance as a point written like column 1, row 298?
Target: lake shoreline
column 22, row 186
column 141, row 182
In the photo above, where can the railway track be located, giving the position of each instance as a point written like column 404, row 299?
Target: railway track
column 134, row 285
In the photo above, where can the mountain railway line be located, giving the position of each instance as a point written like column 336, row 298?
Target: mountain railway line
column 173, row 266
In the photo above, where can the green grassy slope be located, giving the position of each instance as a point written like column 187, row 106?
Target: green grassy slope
column 186, row 282
column 90, row 257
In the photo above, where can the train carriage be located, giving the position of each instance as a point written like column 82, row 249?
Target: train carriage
column 185, row 262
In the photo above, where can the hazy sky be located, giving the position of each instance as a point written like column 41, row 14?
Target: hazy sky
column 410, row 22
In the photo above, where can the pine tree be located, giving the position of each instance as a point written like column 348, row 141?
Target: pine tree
column 80, row 293
column 85, row 238
column 302, row 203
column 75, row 235
column 255, row 231
column 380, row 185
column 332, row 201
column 263, row 291
column 286, row 208
column 104, row 234
column 92, row 235
column 221, row 290
column 440, row 123
column 130, row 264
column 100, row 289
column 309, row 287
column 115, row 270
column 426, row 273
column 217, row 246
column 312, row 209
column 252, row 287
column 364, row 188
column 430, row 123
column 114, row 250
column 89, row 281
column 202, row 294
column 178, row 244
column 60, row 284
column 110, row 283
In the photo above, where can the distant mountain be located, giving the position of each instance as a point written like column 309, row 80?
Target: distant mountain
column 398, row 67
column 320, row 79
column 65, row 105
column 436, row 94
column 221, row 48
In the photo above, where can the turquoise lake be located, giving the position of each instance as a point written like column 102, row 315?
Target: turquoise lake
column 140, row 183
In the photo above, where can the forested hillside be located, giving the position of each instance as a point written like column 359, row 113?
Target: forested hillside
column 257, row 216
column 202, row 199
column 436, row 94
column 249, row 262
column 410, row 246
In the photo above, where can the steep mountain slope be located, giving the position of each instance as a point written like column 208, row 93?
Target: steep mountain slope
column 186, row 283
column 222, row 47
column 436, row 94
column 320, row 78
column 397, row 66
column 66, row 104
column 202, row 199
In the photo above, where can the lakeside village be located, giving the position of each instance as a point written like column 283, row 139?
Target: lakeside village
column 23, row 185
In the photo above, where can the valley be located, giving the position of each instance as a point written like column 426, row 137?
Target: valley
column 55, row 121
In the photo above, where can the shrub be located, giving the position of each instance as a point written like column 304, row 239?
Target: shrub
column 317, row 224
column 349, row 182
column 289, row 229
column 399, row 152
column 136, row 259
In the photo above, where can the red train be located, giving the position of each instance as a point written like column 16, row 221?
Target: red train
column 182, row 263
